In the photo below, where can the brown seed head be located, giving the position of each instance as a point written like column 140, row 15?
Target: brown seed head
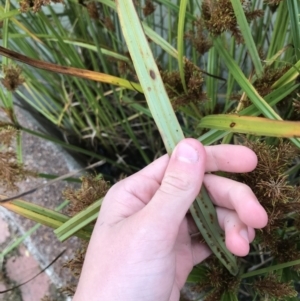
column 149, row 8
column 12, row 77
column 271, row 287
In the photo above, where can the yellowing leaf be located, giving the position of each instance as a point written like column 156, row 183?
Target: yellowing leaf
column 252, row 125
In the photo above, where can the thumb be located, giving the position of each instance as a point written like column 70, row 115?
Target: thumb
column 181, row 183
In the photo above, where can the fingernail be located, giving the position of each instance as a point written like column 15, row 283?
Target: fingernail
column 186, row 153
column 244, row 234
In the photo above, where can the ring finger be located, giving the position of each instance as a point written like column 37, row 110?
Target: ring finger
column 237, row 234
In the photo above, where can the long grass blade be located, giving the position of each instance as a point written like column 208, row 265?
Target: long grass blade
column 180, row 41
column 9, row 14
column 246, row 32
column 43, row 216
column 79, row 221
column 87, row 74
column 19, row 240
column 241, row 79
column 252, row 125
column 290, row 76
column 269, row 269
column 294, row 14
column 167, row 122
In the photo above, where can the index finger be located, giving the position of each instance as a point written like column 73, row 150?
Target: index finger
column 224, row 157
column 230, row 158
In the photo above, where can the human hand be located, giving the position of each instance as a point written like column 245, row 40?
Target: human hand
column 141, row 247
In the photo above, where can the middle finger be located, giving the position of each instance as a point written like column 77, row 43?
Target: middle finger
column 236, row 196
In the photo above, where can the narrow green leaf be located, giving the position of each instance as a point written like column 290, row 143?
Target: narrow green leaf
column 278, row 37
column 289, row 76
column 212, row 83
column 271, row 268
column 149, row 76
column 277, row 55
column 180, row 41
column 40, row 210
column 294, row 15
column 273, row 98
column 165, row 118
column 246, row 32
column 156, row 38
column 79, row 221
column 9, row 14
column 245, row 84
column 205, row 217
column 252, row 125
column 80, row 225
column 211, row 136
column 18, row 241
column 85, row 45
column 197, row 274
column 43, row 216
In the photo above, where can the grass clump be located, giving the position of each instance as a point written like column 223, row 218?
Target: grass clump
column 238, row 57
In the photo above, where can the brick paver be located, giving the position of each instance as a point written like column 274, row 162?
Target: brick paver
column 4, row 231
column 23, row 267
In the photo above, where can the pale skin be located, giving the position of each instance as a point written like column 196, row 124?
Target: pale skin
column 145, row 243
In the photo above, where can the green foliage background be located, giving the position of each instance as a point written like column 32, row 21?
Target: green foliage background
column 214, row 57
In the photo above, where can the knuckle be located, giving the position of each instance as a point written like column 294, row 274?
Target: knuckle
column 173, row 183
column 245, row 188
column 241, row 189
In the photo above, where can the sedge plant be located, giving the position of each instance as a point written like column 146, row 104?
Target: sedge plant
column 120, row 71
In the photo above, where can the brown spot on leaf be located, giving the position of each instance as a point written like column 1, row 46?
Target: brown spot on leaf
column 152, row 74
